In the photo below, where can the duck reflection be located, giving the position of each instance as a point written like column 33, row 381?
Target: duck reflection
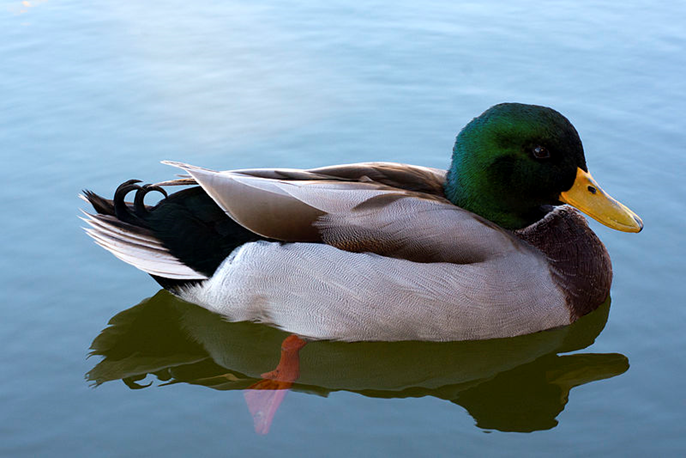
column 515, row 384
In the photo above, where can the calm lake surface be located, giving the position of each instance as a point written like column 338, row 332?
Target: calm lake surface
column 95, row 93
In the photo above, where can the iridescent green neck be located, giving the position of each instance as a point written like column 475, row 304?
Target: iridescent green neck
column 467, row 187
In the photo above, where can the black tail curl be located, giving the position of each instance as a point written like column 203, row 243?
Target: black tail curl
column 194, row 229
column 136, row 215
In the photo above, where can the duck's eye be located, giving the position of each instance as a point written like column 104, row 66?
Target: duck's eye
column 541, row 152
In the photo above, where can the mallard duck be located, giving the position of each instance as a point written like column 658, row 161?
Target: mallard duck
column 383, row 251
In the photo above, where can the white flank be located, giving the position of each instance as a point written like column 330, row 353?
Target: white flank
column 321, row 292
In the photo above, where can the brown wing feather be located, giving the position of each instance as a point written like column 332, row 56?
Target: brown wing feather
column 400, row 176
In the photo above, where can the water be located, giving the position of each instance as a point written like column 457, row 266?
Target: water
column 92, row 94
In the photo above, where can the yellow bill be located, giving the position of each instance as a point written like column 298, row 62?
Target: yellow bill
column 587, row 196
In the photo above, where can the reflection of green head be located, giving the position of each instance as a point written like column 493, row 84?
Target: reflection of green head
column 529, row 397
column 511, row 161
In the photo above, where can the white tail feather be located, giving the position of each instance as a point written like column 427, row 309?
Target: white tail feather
column 138, row 249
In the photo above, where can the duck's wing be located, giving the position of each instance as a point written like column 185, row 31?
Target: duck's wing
column 407, row 177
column 417, row 229
column 344, row 207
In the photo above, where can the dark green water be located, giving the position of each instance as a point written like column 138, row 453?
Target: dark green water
column 95, row 93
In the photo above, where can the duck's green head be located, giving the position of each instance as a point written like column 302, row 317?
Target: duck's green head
column 515, row 160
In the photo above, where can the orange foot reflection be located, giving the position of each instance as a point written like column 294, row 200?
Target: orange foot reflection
column 264, row 397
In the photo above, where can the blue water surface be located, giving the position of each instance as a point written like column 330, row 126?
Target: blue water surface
column 95, row 93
